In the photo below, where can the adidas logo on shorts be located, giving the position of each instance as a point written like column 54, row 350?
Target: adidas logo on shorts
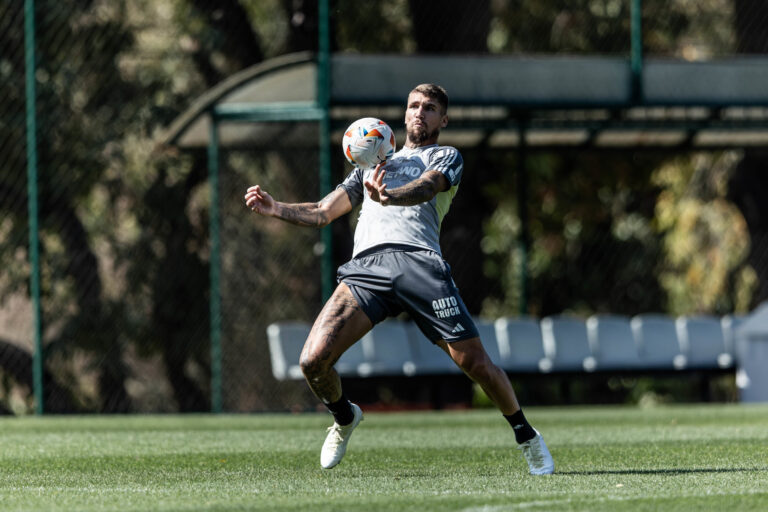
column 459, row 328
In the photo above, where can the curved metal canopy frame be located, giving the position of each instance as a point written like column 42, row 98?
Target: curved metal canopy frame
column 553, row 102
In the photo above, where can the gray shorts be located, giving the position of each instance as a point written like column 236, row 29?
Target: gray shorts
column 391, row 279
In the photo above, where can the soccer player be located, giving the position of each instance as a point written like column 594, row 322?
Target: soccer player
column 397, row 266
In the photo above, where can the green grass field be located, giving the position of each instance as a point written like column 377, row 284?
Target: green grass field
column 709, row 457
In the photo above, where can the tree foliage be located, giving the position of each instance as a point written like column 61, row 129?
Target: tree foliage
column 124, row 231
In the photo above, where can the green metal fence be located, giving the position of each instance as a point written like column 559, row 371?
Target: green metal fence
column 113, row 248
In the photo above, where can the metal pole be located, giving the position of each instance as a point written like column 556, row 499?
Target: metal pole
column 215, row 265
column 636, row 50
column 323, row 100
column 32, row 206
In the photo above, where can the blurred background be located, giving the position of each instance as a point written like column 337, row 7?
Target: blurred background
column 124, row 230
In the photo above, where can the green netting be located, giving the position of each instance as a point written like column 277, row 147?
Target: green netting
column 124, row 225
column 270, row 272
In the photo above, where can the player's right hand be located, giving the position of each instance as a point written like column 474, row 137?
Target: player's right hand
column 259, row 201
column 377, row 189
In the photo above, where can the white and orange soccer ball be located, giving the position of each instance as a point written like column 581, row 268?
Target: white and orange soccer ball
column 368, row 142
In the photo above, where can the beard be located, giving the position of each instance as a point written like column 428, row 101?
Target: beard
column 418, row 135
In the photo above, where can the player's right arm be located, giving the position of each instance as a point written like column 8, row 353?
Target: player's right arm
column 319, row 214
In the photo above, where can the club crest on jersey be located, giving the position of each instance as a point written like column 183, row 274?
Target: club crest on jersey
column 445, row 307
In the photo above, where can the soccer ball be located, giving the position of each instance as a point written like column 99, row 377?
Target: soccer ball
column 368, row 142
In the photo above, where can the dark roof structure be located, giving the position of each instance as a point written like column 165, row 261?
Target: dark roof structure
column 555, row 101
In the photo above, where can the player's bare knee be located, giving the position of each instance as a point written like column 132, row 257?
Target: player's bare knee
column 311, row 365
column 480, row 369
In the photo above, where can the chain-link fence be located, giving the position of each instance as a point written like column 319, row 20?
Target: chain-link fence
column 124, row 227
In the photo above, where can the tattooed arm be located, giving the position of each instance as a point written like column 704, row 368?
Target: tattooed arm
column 319, row 214
column 415, row 192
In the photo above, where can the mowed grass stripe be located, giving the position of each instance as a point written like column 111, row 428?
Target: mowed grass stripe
column 666, row 458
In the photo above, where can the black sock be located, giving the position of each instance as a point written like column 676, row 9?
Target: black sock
column 342, row 410
column 523, row 430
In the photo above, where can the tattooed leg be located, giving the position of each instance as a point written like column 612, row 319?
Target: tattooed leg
column 340, row 324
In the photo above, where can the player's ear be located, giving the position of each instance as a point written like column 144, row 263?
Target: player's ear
column 444, row 121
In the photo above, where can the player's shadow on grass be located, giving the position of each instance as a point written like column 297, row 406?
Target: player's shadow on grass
column 658, row 471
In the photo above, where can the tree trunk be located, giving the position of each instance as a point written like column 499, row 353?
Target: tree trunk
column 16, row 363
column 179, row 275
column 180, row 284
column 746, row 190
column 750, row 18
column 749, row 181
column 89, row 327
column 458, row 26
column 451, row 26
column 235, row 38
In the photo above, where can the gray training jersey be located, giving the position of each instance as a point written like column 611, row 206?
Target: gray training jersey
column 417, row 225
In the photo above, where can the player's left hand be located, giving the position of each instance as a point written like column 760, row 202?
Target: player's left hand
column 377, row 189
column 258, row 200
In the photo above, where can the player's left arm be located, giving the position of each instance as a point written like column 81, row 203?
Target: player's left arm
column 423, row 189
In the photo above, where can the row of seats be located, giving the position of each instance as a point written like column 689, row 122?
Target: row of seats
column 650, row 342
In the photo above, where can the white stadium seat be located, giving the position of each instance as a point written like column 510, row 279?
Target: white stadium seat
column 521, row 348
column 612, row 342
column 387, row 350
column 286, row 339
column 702, row 341
column 566, row 343
column 487, row 332
column 428, row 358
column 656, row 338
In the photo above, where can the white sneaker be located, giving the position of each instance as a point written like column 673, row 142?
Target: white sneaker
column 537, row 455
column 335, row 444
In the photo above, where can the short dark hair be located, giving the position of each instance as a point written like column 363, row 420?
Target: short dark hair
column 435, row 92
